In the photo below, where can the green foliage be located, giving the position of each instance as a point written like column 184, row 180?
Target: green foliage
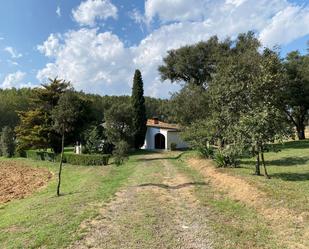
column 227, row 157
column 74, row 159
column 189, row 105
column 13, row 101
column 295, row 95
column 7, row 143
column 121, row 152
column 35, row 129
column 139, row 118
column 65, row 114
column 95, row 141
column 118, row 123
column 194, row 64
column 86, row 160
column 241, row 102
column 207, row 151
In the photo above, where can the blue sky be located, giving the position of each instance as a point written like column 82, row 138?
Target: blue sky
column 97, row 44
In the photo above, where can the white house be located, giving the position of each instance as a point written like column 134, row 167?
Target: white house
column 161, row 135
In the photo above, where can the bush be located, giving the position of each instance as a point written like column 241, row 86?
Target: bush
column 121, row 152
column 173, row 146
column 73, row 159
column 219, row 159
column 226, row 157
column 86, row 159
column 207, row 152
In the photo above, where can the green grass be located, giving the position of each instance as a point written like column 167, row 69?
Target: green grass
column 289, row 171
column 43, row 219
column 234, row 225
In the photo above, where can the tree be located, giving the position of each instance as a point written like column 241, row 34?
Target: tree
column 96, row 140
column 121, row 152
column 64, row 116
column 194, row 64
column 7, row 143
column 13, row 101
column 295, row 96
column 118, row 124
column 188, row 105
column 243, row 95
column 35, row 129
column 139, row 119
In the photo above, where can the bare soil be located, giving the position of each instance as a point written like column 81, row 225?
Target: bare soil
column 156, row 210
column 285, row 223
column 18, row 180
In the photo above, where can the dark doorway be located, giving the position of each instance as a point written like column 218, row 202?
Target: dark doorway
column 159, row 141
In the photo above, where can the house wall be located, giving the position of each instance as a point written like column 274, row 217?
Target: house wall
column 170, row 137
column 174, row 137
column 150, row 137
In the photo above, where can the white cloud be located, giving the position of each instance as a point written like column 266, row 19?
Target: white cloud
column 58, row 11
column 96, row 62
column 91, row 10
column 175, row 10
column 14, row 80
column 51, row 46
column 14, row 54
column 101, row 63
column 286, row 26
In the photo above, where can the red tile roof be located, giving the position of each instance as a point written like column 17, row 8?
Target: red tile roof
column 160, row 124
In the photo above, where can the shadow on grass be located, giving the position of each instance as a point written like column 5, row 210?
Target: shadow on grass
column 165, row 186
column 162, row 158
column 293, row 177
column 300, row 144
column 285, row 161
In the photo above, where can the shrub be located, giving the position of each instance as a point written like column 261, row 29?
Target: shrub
column 219, row 159
column 73, row 159
column 121, row 152
column 86, row 160
column 207, row 152
column 173, row 146
column 41, row 155
column 226, row 157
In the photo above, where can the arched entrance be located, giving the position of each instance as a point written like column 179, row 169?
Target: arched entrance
column 159, row 141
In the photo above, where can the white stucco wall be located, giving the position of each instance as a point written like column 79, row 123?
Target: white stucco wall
column 170, row 137
column 174, row 137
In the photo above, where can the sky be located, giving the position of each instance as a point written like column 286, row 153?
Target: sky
column 98, row 44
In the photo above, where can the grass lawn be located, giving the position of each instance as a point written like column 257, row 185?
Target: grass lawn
column 156, row 197
column 289, row 171
column 234, row 224
column 43, row 219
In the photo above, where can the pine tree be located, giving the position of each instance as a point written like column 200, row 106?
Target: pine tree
column 139, row 118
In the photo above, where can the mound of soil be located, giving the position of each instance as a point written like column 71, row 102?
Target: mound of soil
column 18, row 180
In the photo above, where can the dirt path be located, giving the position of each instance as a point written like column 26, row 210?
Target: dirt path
column 157, row 209
column 288, row 226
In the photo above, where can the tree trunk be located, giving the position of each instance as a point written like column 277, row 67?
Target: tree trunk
column 264, row 165
column 257, row 165
column 301, row 132
column 60, row 166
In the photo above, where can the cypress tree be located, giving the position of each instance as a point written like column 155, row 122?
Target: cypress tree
column 139, row 111
column 7, row 145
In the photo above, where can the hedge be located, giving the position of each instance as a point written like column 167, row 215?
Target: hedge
column 75, row 159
